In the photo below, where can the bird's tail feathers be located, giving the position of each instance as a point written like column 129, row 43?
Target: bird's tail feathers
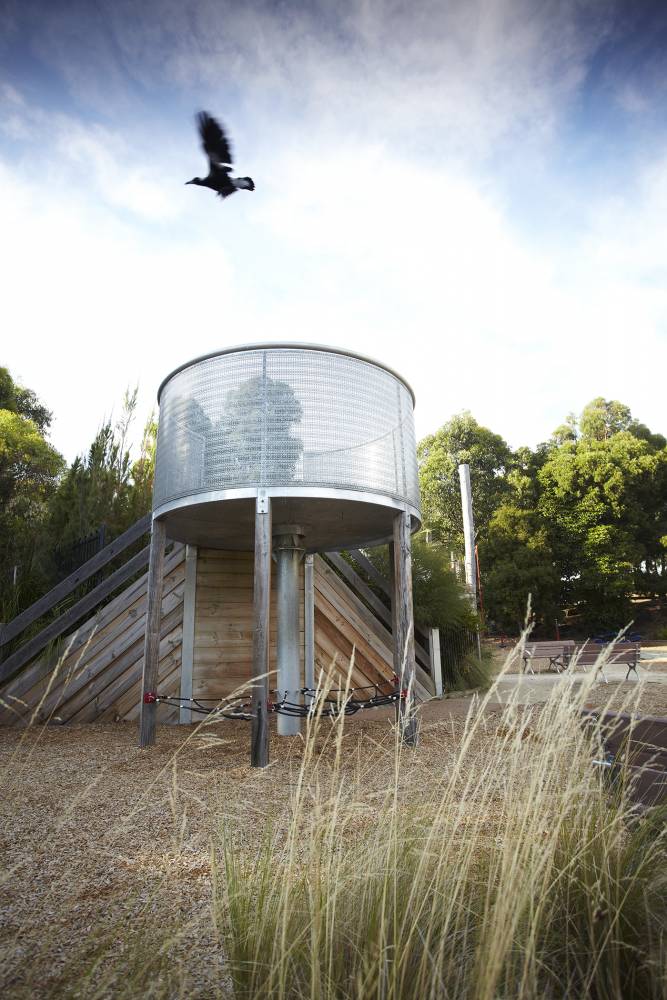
column 244, row 183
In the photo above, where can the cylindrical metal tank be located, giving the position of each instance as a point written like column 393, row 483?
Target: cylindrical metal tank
column 326, row 434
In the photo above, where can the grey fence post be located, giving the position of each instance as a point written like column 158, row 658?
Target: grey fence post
column 436, row 663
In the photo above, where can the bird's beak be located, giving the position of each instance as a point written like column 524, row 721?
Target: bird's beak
column 188, row 182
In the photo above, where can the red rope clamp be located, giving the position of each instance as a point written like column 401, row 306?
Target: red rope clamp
column 150, row 697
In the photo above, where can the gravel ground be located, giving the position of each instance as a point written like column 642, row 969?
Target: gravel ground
column 96, row 835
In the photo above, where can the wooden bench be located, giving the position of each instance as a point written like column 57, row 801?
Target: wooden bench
column 557, row 653
column 614, row 652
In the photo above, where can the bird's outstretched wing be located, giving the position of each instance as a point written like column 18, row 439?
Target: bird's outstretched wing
column 214, row 141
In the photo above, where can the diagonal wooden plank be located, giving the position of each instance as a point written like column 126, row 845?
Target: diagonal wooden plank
column 371, row 571
column 72, row 667
column 385, row 586
column 168, row 684
column 360, row 589
column 34, row 646
column 71, row 582
column 344, row 569
column 22, row 686
column 126, row 695
column 345, row 620
column 368, row 671
column 84, row 674
column 113, row 682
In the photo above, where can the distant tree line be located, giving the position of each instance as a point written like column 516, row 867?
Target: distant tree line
column 580, row 522
column 46, row 505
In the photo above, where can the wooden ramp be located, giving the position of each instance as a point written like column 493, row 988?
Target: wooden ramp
column 95, row 672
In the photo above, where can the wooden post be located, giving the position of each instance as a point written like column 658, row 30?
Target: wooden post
column 404, row 635
column 259, row 750
column 392, row 594
column 188, row 643
column 309, row 621
column 152, row 640
column 436, row 662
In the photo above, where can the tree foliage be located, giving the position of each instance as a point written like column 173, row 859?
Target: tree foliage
column 46, row 506
column 17, row 399
column 439, row 600
column 603, row 498
column 517, row 562
column 29, row 470
column 105, row 486
column 461, row 440
column 580, row 521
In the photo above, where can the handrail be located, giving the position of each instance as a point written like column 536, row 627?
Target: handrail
column 29, row 651
column 71, row 582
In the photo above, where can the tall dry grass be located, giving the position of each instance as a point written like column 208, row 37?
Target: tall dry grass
column 515, row 871
column 518, row 873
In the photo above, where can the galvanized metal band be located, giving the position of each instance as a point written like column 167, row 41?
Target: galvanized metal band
column 286, row 345
column 300, row 492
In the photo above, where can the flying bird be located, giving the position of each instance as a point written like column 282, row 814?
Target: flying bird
column 216, row 146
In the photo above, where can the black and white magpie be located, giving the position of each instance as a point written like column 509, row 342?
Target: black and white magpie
column 216, row 146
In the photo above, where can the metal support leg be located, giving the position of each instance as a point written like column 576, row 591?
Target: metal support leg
column 259, row 750
column 289, row 551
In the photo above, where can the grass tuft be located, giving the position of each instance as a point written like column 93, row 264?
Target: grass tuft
column 519, row 875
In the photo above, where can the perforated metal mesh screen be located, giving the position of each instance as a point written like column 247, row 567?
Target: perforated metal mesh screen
column 283, row 417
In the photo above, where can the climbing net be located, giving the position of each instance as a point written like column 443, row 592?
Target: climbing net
column 324, row 703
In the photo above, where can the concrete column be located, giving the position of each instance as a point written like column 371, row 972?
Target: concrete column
column 288, row 552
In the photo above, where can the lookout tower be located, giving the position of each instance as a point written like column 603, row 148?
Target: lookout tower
column 284, row 450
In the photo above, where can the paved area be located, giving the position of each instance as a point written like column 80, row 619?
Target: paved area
column 656, row 654
column 536, row 688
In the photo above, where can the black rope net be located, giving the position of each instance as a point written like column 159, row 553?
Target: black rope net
column 324, row 703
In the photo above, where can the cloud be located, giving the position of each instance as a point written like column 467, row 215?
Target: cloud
column 105, row 162
column 389, row 145
column 91, row 305
column 89, row 156
column 471, row 73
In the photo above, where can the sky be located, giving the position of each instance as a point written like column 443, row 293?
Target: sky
column 472, row 191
